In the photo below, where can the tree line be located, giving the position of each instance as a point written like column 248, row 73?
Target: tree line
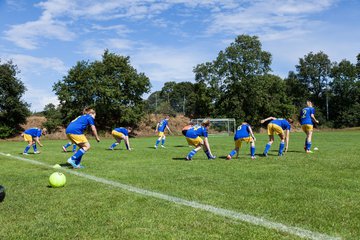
column 237, row 84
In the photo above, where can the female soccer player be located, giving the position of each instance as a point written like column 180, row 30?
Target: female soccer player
column 160, row 129
column 75, row 132
column 278, row 126
column 307, row 117
column 193, row 138
column 119, row 134
column 32, row 136
column 243, row 133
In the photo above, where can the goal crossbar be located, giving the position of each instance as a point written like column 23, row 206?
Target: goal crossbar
column 229, row 124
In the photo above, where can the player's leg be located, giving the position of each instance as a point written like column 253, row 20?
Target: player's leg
column 84, row 146
column 29, row 140
column 198, row 143
column 308, row 140
column 34, row 147
column 159, row 139
column 268, row 145
column 252, row 149
column 66, row 146
column 235, row 150
column 163, row 141
column 282, row 144
column 117, row 142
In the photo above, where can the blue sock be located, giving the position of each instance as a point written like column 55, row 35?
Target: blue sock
column 77, row 161
column 308, row 146
column 157, row 142
column 34, row 147
column 113, row 145
column 74, row 148
column 163, row 141
column 267, row 148
column 208, row 154
column 27, row 148
column 67, row 145
column 78, row 155
column 191, row 154
column 232, row 153
column 127, row 146
column 281, row 148
column 252, row 151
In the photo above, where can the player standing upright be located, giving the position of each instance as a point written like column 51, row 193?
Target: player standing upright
column 243, row 133
column 160, row 129
column 278, row 126
column 193, row 138
column 119, row 134
column 307, row 117
column 75, row 132
column 32, row 136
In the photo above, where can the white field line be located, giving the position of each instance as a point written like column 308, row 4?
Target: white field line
column 303, row 233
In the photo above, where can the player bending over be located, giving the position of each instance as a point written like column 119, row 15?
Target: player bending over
column 193, row 138
column 121, row 134
column 278, row 126
column 243, row 133
column 32, row 136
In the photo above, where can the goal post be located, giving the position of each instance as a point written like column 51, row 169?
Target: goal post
column 219, row 126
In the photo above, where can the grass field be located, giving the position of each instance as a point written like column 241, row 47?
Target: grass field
column 318, row 193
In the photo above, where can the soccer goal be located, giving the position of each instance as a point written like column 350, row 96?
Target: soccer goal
column 219, row 126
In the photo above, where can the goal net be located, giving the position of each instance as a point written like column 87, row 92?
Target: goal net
column 219, row 126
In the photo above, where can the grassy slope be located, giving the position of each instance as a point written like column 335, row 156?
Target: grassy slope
column 318, row 192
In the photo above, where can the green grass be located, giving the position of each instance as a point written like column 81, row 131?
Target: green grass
column 319, row 192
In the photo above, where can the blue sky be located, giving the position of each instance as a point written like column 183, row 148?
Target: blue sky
column 165, row 39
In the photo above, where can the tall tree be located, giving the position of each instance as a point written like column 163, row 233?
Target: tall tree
column 238, row 80
column 13, row 110
column 346, row 95
column 112, row 86
column 314, row 71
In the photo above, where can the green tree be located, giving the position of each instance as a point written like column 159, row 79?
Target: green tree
column 53, row 117
column 238, row 81
column 314, row 72
column 13, row 110
column 345, row 101
column 111, row 86
column 296, row 90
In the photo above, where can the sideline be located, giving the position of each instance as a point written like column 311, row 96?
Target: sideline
column 303, row 233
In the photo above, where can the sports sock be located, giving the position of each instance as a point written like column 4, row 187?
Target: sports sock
column 267, row 148
column 127, row 146
column 78, row 155
column 74, row 148
column 232, row 153
column 252, row 151
column 281, row 148
column 27, row 148
column 163, row 141
column 67, row 145
column 191, row 154
column 308, row 146
column 114, row 145
column 157, row 142
column 34, row 147
column 208, row 154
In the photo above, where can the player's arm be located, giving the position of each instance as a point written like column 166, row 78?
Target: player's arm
column 287, row 136
column 93, row 129
column 267, row 119
column 207, row 145
column 252, row 133
column 127, row 142
column 157, row 127
column 313, row 118
column 37, row 139
column 168, row 129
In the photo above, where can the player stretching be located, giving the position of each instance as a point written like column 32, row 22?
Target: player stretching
column 278, row 126
column 160, row 129
column 243, row 133
column 75, row 132
column 193, row 138
column 32, row 136
column 307, row 117
column 119, row 134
